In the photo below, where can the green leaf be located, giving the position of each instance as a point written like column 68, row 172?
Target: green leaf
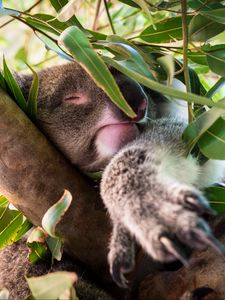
column 51, row 286
column 51, row 20
column 37, row 245
column 33, row 95
column 41, row 26
column 130, row 3
column 3, row 201
column 24, row 228
column 77, row 43
column 56, row 247
column 14, row 87
column 201, row 28
column 212, row 142
column 4, row 294
column 156, row 86
column 217, row 15
column 50, row 45
column 198, row 57
column 134, row 59
column 216, row 59
column 166, row 31
column 197, row 128
column 10, row 221
column 215, row 88
column 55, row 213
column 167, row 63
column 8, row 12
column 2, row 82
column 68, row 11
column 216, row 198
column 58, row 5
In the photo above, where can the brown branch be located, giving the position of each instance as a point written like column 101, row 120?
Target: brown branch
column 33, row 177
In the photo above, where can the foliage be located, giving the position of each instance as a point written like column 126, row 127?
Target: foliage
column 152, row 41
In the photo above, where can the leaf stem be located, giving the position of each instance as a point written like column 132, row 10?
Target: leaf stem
column 185, row 55
column 109, row 17
column 26, row 11
column 94, row 26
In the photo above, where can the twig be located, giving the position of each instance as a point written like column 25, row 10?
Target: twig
column 94, row 26
column 109, row 17
column 185, row 55
column 26, row 11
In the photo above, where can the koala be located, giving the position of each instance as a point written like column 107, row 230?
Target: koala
column 152, row 192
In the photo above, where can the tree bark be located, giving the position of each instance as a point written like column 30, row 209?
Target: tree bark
column 33, row 176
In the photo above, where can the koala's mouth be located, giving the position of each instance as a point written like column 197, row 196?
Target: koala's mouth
column 112, row 137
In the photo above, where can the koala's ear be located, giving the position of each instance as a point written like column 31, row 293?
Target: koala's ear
column 24, row 81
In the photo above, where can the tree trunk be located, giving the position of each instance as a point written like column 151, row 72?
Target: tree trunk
column 33, row 176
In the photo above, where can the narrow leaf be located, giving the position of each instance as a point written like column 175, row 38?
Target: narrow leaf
column 56, row 247
column 37, row 245
column 77, row 43
column 212, row 142
column 216, row 198
column 8, row 234
column 156, row 86
column 14, row 87
column 68, row 11
column 55, row 213
column 201, row 28
column 33, row 95
column 58, row 5
column 3, row 201
column 197, row 128
column 166, row 31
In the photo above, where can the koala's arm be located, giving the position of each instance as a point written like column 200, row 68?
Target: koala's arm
column 150, row 190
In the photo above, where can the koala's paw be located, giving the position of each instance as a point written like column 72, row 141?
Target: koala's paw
column 121, row 256
column 174, row 225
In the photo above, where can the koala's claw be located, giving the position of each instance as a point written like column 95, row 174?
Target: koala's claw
column 199, row 204
column 174, row 250
column 117, row 272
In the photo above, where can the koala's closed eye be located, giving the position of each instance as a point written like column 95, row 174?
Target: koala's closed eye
column 76, row 98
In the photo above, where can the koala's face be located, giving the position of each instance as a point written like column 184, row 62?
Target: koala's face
column 81, row 120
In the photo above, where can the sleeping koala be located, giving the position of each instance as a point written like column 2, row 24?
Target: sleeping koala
column 151, row 190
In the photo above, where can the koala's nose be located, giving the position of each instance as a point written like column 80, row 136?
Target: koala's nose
column 140, row 110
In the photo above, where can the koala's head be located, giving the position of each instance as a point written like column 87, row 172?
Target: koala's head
column 80, row 119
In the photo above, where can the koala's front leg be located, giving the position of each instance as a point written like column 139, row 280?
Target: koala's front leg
column 163, row 214
column 121, row 254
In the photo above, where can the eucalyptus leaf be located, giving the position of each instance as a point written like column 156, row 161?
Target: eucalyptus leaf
column 217, row 15
column 53, row 46
column 14, row 87
column 52, row 285
column 55, row 213
column 3, row 201
column 58, row 5
column 32, row 97
column 37, row 245
column 216, row 198
column 201, row 28
column 212, row 142
column 10, row 221
column 166, row 31
column 198, row 127
column 56, row 247
column 156, row 86
column 41, row 26
column 77, row 43
column 68, row 11
column 216, row 59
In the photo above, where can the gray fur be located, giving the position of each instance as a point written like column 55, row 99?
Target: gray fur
column 151, row 192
